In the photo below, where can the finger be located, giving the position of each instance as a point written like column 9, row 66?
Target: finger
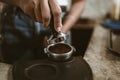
column 29, row 10
column 45, row 12
column 57, row 23
column 56, row 11
column 37, row 12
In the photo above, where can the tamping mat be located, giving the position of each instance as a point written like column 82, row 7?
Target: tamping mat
column 75, row 69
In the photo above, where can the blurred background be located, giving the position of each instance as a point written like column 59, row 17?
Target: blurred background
column 95, row 12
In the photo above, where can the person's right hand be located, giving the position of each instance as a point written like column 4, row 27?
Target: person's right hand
column 41, row 11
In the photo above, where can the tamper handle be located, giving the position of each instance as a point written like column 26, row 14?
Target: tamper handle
column 53, row 31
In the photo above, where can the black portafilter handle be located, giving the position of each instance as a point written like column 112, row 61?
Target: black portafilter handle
column 52, row 28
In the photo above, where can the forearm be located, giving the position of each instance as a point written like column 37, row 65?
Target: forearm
column 73, row 15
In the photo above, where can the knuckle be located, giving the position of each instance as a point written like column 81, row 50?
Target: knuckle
column 46, row 18
column 57, row 13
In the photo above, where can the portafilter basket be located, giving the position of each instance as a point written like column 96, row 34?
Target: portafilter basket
column 59, row 51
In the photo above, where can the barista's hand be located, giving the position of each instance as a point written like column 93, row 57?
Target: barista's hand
column 41, row 10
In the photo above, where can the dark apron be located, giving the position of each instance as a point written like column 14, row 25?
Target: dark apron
column 21, row 35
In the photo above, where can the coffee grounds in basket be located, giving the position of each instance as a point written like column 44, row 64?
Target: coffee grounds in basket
column 60, row 48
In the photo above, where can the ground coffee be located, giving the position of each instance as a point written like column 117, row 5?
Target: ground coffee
column 60, row 48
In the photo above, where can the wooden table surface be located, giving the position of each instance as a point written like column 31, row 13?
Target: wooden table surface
column 105, row 66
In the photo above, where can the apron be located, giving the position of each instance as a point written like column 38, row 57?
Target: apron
column 21, row 35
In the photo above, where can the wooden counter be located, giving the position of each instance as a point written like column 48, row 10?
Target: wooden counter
column 104, row 64
column 5, row 71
